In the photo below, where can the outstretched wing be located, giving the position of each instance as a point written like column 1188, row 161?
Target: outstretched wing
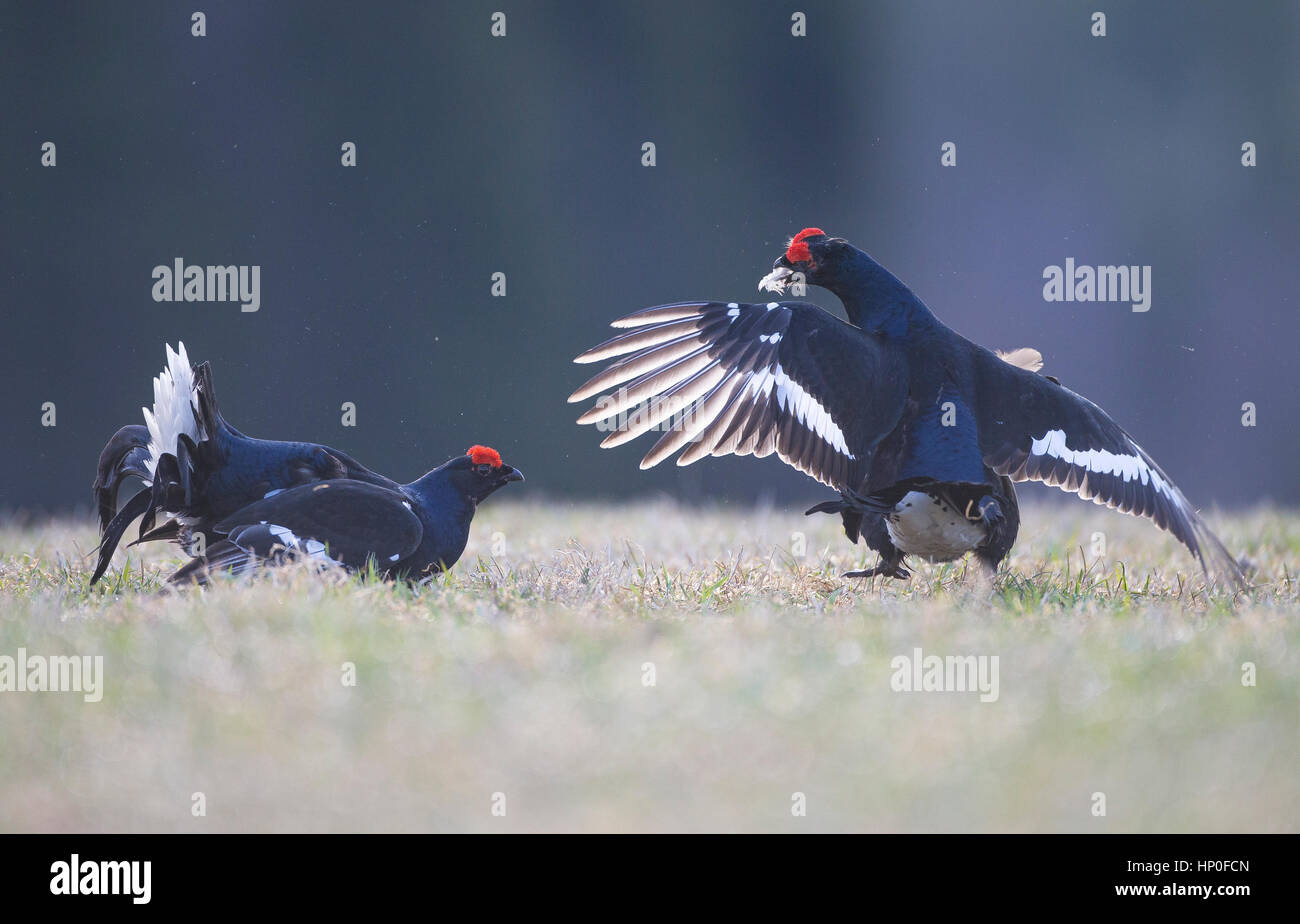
column 723, row 378
column 348, row 522
column 1033, row 429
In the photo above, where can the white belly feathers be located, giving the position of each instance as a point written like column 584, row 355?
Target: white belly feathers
column 931, row 528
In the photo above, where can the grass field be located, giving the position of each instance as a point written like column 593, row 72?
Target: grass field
column 527, row 672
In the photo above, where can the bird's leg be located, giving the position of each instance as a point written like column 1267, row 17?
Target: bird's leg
column 986, row 510
column 887, row 567
column 983, row 578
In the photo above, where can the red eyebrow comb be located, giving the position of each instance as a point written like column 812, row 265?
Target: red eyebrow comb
column 798, row 251
column 484, row 455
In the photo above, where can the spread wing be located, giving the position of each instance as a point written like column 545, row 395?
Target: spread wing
column 1034, row 429
column 719, row 378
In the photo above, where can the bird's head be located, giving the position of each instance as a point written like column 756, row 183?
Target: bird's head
column 813, row 257
column 479, row 472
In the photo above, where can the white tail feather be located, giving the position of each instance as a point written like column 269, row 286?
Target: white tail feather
column 173, row 406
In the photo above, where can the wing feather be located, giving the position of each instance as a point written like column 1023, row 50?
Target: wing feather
column 747, row 379
column 1033, row 429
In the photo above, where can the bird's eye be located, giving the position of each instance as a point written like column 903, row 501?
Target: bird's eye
column 484, row 469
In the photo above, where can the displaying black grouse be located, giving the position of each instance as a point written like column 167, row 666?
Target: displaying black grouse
column 920, row 430
column 232, row 501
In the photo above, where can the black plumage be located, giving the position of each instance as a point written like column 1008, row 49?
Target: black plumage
column 891, row 406
column 234, row 501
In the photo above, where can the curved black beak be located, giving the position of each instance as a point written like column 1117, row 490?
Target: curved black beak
column 776, row 281
column 509, row 474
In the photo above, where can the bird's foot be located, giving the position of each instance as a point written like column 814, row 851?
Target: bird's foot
column 884, row 569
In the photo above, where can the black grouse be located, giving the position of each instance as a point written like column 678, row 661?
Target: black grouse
column 921, row 431
column 233, row 501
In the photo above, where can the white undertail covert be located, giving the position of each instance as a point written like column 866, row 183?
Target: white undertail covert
column 173, row 406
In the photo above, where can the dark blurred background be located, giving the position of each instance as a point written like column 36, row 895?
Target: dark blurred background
column 522, row 154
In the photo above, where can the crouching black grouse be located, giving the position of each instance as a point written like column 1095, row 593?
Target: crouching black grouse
column 233, row 501
column 920, row 430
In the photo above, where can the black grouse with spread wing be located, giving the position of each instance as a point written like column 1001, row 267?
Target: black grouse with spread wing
column 921, row 431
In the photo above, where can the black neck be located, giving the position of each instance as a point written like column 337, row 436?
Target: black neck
column 436, row 491
column 446, row 514
column 876, row 300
